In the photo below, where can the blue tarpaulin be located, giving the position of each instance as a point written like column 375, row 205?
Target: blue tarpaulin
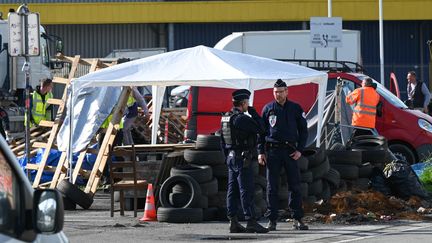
column 53, row 159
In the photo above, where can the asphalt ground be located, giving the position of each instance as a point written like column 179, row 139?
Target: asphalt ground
column 96, row 225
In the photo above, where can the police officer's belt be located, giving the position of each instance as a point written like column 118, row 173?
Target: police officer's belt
column 282, row 145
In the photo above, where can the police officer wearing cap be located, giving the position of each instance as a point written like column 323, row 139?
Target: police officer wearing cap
column 284, row 140
column 239, row 140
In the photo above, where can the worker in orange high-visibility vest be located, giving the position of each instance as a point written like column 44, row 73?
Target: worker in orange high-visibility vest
column 365, row 101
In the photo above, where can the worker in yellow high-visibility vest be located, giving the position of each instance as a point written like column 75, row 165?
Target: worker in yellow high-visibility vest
column 135, row 100
column 39, row 109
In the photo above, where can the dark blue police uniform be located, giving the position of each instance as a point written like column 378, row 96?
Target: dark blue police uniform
column 286, row 132
column 239, row 134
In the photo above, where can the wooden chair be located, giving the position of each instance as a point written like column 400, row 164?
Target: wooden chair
column 125, row 178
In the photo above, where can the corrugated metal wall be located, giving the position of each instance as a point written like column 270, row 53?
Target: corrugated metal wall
column 72, row 1
column 99, row 40
column 405, row 46
column 188, row 35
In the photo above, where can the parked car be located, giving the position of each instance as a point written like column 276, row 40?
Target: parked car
column 26, row 215
column 409, row 132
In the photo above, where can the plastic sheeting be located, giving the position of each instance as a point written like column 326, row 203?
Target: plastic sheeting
column 53, row 159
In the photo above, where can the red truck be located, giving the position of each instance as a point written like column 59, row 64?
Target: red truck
column 409, row 132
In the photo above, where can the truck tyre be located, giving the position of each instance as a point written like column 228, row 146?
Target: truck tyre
column 306, row 177
column 220, row 171
column 345, row 157
column 210, row 187
column 68, row 204
column 304, row 189
column 201, row 173
column 338, row 147
column 314, row 155
column 208, row 142
column 179, row 200
column 204, row 157
column 75, row 194
column 167, row 186
column 373, row 151
column 365, row 171
column 261, row 181
column 361, row 184
column 180, row 215
column 348, row 172
column 403, row 152
column 333, row 177
column 315, row 188
column 303, row 163
column 210, row 214
column 326, row 193
column 320, row 170
column 369, row 144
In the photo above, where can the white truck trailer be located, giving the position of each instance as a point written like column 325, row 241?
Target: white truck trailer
column 291, row 44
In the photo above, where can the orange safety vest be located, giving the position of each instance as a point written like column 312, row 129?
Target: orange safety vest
column 365, row 100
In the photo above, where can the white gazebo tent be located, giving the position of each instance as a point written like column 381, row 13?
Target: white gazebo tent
column 95, row 94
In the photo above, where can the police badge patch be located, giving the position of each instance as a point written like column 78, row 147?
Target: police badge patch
column 272, row 120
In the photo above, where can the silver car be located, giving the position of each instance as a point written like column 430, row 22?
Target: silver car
column 26, row 215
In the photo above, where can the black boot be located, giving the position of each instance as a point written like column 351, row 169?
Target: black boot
column 299, row 225
column 235, row 226
column 253, row 227
column 271, row 226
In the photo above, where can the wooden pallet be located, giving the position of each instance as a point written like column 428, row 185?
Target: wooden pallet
column 176, row 119
column 54, row 126
column 111, row 132
column 46, row 134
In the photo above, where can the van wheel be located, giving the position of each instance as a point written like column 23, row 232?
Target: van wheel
column 402, row 152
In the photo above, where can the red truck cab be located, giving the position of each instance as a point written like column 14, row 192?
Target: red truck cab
column 409, row 132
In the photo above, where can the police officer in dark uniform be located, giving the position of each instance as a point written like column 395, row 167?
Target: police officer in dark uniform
column 284, row 140
column 239, row 140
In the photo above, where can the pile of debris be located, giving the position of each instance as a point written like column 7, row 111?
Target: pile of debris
column 368, row 206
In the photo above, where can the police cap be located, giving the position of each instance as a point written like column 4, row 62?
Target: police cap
column 279, row 83
column 241, row 94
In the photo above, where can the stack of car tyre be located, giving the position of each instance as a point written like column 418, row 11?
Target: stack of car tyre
column 320, row 179
column 184, row 195
column 355, row 162
column 208, row 152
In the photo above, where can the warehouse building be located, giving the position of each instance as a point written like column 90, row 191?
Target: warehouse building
column 94, row 28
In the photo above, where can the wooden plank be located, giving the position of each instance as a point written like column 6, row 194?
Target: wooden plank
column 78, row 166
column 59, row 168
column 56, row 126
column 22, row 146
column 102, row 157
column 59, row 80
column 53, row 101
column 45, row 123
column 39, row 145
column 37, row 167
column 94, row 65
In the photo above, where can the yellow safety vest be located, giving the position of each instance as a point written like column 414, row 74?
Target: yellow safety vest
column 130, row 101
column 108, row 120
column 39, row 108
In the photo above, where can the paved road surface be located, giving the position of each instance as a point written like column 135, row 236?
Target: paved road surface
column 96, row 225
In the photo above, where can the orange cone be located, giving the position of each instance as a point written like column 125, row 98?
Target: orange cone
column 150, row 209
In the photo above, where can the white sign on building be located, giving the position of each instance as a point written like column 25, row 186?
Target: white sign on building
column 17, row 35
column 325, row 32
